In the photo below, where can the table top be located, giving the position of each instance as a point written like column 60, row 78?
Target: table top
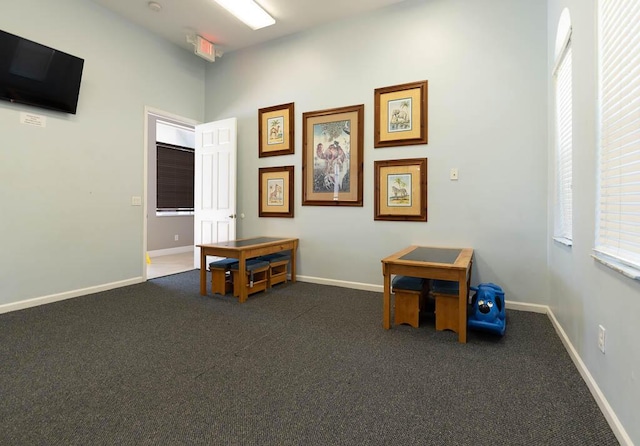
column 451, row 257
column 241, row 243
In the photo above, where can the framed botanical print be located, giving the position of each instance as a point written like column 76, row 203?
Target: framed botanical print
column 401, row 115
column 276, row 130
column 332, row 154
column 275, row 192
column 401, row 190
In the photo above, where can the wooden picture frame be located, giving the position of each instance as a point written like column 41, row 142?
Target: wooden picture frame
column 276, row 130
column 401, row 115
column 401, row 190
column 332, row 156
column 275, row 191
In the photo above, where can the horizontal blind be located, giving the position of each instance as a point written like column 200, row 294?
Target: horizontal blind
column 618, row 234
column 564, row 147
column 175, row 178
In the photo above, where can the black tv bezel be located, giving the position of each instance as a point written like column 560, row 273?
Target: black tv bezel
column 35, row 98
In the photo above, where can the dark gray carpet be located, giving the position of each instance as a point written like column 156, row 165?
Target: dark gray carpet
column 302, row 364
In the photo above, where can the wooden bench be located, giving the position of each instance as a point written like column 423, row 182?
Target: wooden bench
column 278, row 264
column 221, row 280
column 410, row 294
column 256, row 280
column 447, row 304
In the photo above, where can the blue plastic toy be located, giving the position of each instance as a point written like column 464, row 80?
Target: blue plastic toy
column 488, row 311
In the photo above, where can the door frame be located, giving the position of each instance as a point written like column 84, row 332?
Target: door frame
column 151, row 111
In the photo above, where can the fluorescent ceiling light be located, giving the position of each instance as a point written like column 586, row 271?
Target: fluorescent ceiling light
column 249, row 12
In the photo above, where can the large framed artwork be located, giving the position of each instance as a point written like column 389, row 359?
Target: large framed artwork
column 275, row 191
column 401, row 190
column 332, row 154
column 276, row 130
column 401, row 115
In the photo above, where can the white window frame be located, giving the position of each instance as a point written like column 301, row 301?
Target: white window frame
column 563, row 97
column 617, row 243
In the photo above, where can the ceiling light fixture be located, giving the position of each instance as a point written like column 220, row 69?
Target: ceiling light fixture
column 249, row 12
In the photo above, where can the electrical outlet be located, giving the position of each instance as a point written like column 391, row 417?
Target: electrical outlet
column 601, row 338
column 453, row 173
column 176, row 237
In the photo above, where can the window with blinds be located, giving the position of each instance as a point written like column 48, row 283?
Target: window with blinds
column 618, row 225
column 175, row 177
column 563, row 214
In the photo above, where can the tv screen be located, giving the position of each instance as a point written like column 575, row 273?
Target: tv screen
column 34, row 74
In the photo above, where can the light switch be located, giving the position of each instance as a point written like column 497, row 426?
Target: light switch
column 136, row 201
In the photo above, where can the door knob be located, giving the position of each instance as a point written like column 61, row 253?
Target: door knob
column 232, row 216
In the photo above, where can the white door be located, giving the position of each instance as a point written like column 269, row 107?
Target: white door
column 215, row 184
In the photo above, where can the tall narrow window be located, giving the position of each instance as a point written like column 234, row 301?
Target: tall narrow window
column 618, row 224
column 563, row 208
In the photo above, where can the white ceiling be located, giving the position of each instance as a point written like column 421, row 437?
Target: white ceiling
column 179, row 18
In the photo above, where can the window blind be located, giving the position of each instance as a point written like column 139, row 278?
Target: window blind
column 618, row 225
column 563, row 218
column 175, row 178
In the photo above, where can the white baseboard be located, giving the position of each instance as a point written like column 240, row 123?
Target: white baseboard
column 341, row 283
column 170, row 251
column 512, row 305
column 531, row 308
column 28, row 303
column 603, row 404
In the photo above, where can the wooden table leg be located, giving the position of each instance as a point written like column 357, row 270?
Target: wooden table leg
column 386, row 300
column 462, row 308
column 203, row 272
column 242, row 277
column 293, row 263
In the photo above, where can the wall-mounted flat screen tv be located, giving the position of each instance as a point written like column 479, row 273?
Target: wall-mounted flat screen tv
column 34, row 74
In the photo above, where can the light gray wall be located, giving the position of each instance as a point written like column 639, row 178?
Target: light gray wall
column 486, row 66
column 161, row 231
column 67, row 221
column 585, row 293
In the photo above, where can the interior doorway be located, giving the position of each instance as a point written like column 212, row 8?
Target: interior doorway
column 168, row 238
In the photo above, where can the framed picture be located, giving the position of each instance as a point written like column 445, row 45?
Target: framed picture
column 275, row 191
column 275, row 130
column 332, row 153
column 401, row 190
column 401, row 115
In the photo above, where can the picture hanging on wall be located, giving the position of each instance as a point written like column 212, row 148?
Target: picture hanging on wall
column 276, row 130
column 401, row 115
column 401, row 190
column 275, row 192
column 332, row 154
